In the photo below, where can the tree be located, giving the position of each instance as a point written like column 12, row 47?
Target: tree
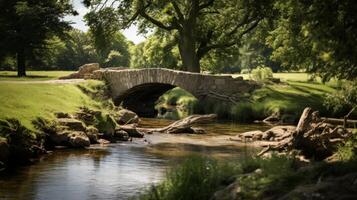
column 26, row 25
column 156, row 51
column 317, row 36
column 198, row 25
column 76, row 50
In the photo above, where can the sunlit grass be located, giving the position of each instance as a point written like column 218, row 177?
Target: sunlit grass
column 28, row 101
column 32, row 75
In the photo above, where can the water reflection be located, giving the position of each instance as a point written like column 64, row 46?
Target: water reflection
column 117, row 171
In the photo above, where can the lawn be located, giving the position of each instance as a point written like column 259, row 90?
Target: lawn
column 28, row 101
column 32, row 75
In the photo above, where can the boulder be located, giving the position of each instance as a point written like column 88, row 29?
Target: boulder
column 132, row 130
column 62, row 115
column 121, row 135
column 85, row 71
column 231, row 192
column 58, row 139
column 78, row 139
column 92, row 134
column 4, row 151
column 103, row 141
column 88, row 69
column 72, row 124
column 125, row 116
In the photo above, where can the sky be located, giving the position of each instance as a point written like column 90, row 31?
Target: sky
column 78, row 23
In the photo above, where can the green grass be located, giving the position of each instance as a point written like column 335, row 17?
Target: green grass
column 196, row 178
column 28, row 101
column 199, row 178
column 33, row 75
column 288, row 98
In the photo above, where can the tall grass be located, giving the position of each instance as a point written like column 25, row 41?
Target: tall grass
column 197, row 178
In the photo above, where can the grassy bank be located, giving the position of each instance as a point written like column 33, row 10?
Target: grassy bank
column 288, row 98
column 28, row 101
column 33, row 75
column 255, row 178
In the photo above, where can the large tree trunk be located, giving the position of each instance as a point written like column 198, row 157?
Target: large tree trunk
column 187, row 46
column 21, row 62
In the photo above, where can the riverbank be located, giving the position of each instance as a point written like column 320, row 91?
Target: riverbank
column 286, row 99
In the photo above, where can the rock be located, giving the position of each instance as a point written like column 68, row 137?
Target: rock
column 230, row 192
column 250, row 135
column 125, row 116
column 103, row 141
column 78, row 139
column 92, row 134
column 341, row 187
column 4, row 151
column 132, row 131
column 58, row 139
column 87, row 116
column 62, row 115
column 72, row 124
column 85, row 71
column 121, row 135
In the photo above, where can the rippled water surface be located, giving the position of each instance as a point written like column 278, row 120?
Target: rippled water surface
column 117, row 171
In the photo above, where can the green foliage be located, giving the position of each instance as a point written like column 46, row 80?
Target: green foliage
column 196, row 25
column 348, row 151
column 156, row 52
column 344, row 99
column 196, row 178
column 262, row 73
column 33, row 75
column 25, row 26
column 317, row 36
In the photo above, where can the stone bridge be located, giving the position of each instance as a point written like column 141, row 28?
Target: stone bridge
column 139, row 89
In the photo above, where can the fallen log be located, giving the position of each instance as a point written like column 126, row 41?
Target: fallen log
column 181, row 126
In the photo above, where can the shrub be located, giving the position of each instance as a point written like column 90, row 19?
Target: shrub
column 343, row 100
column 262, row 73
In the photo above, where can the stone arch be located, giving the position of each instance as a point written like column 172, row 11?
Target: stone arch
column 142, row 98
column 128, row 86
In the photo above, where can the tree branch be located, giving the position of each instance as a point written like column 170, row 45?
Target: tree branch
column 142, row 13
column 178, row 11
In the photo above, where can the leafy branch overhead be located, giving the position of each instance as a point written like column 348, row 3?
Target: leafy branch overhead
column 198, row 25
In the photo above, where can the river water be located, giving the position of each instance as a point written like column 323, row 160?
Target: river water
column 119, row 171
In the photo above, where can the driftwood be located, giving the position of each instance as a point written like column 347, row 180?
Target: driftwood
column 312, row 138
column 181, row 126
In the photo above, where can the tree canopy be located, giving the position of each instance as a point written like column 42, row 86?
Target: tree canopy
column 25, row 25
column 317, row 36
column 199, row 26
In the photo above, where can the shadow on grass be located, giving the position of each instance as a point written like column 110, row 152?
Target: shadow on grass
column 29, row 76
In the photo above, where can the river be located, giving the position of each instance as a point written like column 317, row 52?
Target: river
column 118, row 171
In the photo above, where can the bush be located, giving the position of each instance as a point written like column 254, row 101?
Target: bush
column 343, row 100
column 262, row 73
